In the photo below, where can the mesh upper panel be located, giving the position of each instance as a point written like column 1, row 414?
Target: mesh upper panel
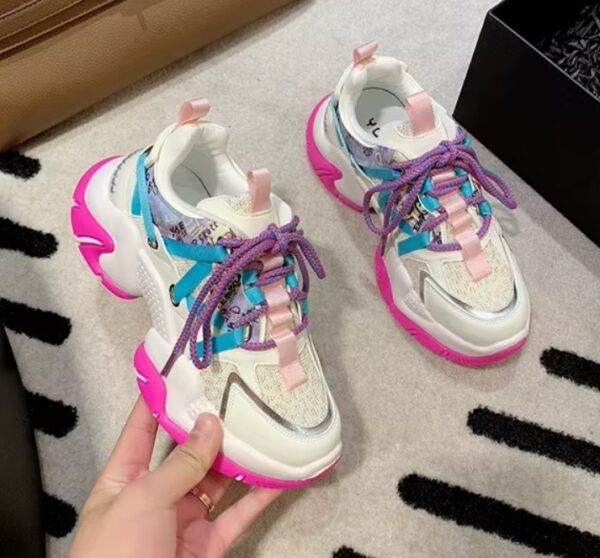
column 215, row 379
column 492, row 293
column 305, row 406
column 414, row 269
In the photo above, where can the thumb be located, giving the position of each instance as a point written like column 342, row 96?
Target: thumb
column 188, row 464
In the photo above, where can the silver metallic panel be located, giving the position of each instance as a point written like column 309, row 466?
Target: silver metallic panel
column 480, row 314
column 234, row 378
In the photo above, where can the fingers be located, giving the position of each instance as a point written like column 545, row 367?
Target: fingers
column 133, row 450
column 215, row 485
column 188, row 464
column 234, row 521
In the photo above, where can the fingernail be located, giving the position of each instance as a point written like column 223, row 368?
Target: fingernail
column 205, row 426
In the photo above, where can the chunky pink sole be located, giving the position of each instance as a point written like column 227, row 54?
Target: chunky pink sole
column 92, row 238
column 426, row 339
column 326, row 172
column 154, row 392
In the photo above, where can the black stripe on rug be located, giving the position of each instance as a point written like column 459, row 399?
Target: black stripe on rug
column 346, row 552
column 49, row 416
column 59, row 516
column 46, row 326
column 572, row 367
column 19, row 165
column 533, row 438
column 30, row 242
column 517, row 525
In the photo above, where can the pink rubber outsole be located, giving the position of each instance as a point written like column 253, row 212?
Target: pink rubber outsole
column 154, row 392
column 86, row 228
column 327, row 173
column 426, row 339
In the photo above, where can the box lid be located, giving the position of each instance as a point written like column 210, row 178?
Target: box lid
column 24, row 21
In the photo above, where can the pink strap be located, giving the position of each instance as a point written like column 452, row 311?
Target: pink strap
column 461, row 223
column 276, row 295
column 475, row 261
column 364, row 52
column 281, row 319
column 420, row 113
column 193, row 110
column 289, row 363
column 443, row 176
column 272, row 261
column 259, row 182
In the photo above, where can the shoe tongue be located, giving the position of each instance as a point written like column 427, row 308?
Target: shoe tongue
column 420, row 133
column 234, row 214
column 248, row 214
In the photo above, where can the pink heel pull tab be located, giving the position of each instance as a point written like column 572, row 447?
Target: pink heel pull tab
column 364, row 52
column 259, row 183
column 193, row 110
column 420, row 113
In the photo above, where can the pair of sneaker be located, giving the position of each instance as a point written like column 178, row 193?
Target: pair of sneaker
column 225, row 268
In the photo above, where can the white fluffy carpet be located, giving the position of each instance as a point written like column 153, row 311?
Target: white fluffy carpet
column 404, row 410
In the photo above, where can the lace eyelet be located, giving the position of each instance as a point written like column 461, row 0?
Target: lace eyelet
column 153, row 244
column 171, row 296
column 248, row 334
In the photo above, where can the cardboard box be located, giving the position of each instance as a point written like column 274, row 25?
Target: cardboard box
column 530, row 113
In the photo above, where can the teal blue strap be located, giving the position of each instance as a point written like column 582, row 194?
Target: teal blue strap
column 135, row 202
column 291, row 280
column 383, row 174
column 406, row 228
column 205, row 256
column 249, row 276
column 254, row 295
column 198, row 252
column 193, row 277
column 485, row 209
column 416, row 242
column 304, row 307
column 431, row 204
column 143, row 203
column 218, row 320
column 338, row 130
column 220, row 343
column 467, row 188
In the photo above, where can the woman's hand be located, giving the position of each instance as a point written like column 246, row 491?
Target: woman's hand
column 133, row 513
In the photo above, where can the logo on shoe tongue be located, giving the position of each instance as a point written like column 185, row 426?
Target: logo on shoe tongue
column 198, row 231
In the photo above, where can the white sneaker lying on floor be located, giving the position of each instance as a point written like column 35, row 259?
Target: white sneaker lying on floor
column 381, row 146
column 220, row 258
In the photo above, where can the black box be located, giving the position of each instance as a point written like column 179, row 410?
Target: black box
column 530, row 113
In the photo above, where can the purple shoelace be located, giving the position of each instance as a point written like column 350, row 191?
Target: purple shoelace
column 405, row 189
column 245, row 254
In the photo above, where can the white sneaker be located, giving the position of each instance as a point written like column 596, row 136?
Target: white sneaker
column 216, row 256
column 381, row 146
